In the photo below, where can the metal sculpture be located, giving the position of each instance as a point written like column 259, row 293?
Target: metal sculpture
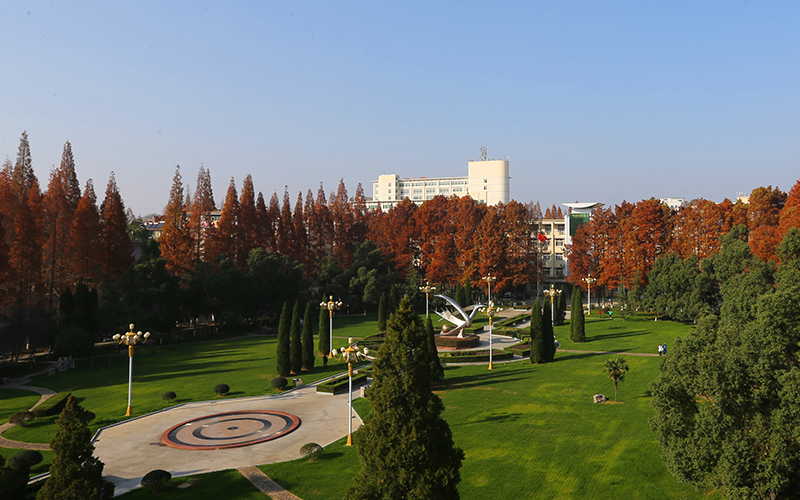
column 461, row 323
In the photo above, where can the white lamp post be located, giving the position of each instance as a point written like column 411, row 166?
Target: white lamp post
column 490, row 311
column 351, row 354
column 331, row 306
column 489, row 280
column 428, row 289
column 589, row 281
column 130, row 339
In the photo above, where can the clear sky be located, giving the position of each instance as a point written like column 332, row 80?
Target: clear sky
column 591, row 101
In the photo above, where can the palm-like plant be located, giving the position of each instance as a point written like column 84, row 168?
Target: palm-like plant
column 615, row 369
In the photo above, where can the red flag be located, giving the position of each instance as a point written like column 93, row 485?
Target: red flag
column 542, row 238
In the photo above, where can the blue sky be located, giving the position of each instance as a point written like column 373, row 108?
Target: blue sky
column 591, row 101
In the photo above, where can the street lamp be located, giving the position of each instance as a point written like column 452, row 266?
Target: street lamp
column 589, row 280
column 490, row 311
column 489, row 280
column 428, row 289
column 552, row 293
column 130, row 339
column 351, row 354
column 331, row 306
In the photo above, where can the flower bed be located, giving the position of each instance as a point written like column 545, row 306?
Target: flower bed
column 456, row 342
column 523, row 350
column 474, row 356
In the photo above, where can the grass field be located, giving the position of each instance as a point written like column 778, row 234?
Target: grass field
column 528, row 431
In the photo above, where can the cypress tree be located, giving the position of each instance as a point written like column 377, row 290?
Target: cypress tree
column 468, row 291
column 437, row 372
column 323, row 342
column 394, row 299
column 75, row 473
column 538, row 354
column 561, row 308
column 577, row 329
column 308, row 340
column 548, row 339
column 284, row 357
column 461, row 297
column 295, row 344
column 405, row 448
column 383, row 312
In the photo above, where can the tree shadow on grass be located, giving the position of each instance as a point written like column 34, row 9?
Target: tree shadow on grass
column 629, row 333
column 329, row 456
column 497, row 418
column 469, row 381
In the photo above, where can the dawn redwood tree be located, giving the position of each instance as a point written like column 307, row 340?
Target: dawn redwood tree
column 247, row 222
column 116, row 247
column 176, row 239
column 202, row 205
column 405, row 448
column 300, row 253
column 83, row 250
column 342, row 221
column 395, row 234
column 538, row 352
column 295, row 342
column 763, row 217
column 285, row 231
column 25, row 255
column 577, row 322
column 226, row 237
column 492, row 249
column 308, row 340
column 75, row 474
column 284, row 361
column 265, row 234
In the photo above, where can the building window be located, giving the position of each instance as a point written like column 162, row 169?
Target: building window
column 417, row 191
column 444, row 190
column 430, row 190
column 559, row 242
column 457, row 189
column 559, row 273
column 559, row 256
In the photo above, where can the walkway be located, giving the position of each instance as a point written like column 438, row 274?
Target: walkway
column 19, row 383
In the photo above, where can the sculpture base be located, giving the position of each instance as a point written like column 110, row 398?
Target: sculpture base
column 452, row 342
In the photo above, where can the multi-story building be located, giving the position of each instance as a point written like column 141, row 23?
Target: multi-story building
column 551, row 251
column 487, row 181
column 673, row 203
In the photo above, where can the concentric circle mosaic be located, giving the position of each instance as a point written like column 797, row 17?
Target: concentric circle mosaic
column 230, row 430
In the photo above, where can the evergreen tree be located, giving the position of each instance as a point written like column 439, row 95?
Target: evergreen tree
column 116, row 246
column 561, row 308
column 283, row 352
column 296, row 347
column 324, row 341
column 538, row 353
column 461, row 298
column 437, row 372
column 308, row 340
column 75, row 474
column 548, row 339
column 577, row 327
column 383, row 312
column 406, row 448
column 468, row 291
column 176, row 240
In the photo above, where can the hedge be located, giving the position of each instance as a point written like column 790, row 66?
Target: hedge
column 475, row 358
column 52, row 406
column 340, row 384
column 523, row 350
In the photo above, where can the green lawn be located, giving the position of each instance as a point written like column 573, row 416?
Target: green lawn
column 639, row 334
column 229, row 484
column 14, row 400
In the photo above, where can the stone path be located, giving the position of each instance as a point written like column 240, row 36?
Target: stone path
column 20, row 384
column 608, row 352
column 266, row 485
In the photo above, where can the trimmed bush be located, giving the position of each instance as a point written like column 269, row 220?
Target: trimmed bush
column 455, row 342
column 475, row 357
column 156, row 480
column 24, row 460
column 221, row 389
column 51, row 407
column 279, row 382
column 21, row 417
column 73, row 341
column 168, row 396
column 340, row 384
column 310, row 450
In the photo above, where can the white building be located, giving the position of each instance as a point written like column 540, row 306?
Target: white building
column 487, row 181
column 673, row 203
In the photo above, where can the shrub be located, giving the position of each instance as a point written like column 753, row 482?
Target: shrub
column 73, row 341
column 169, row 396
column 24, row 460
column 21, row 417
column 156, row 480
column 310, row 450
column 279, row 382
column 221, row 389
column 51, row 407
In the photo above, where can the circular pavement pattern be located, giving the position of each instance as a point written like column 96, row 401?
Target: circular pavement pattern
column 230, row 430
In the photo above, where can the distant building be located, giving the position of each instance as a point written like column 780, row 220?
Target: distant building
column 579, row 214
column 673, row 203
column 551, row 250
column 487, row 181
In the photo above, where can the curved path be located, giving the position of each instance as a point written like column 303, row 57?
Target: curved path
column 20, row 384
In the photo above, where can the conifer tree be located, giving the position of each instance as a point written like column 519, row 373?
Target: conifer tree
column 468, row 291
column 247, row 221
column 323, row 343
column 548, row 340
column 406, row 448
column 295, row 344
column 116, row 246
column 561, row 308
column 84, row 242
column 538, row 353
column 75, row 473
column 437, row 371
column 383, row 312
column 308, row 339
column 175, row 242
column 577, row 328
column 202, row 204
column 283, row 351
column 461, row 297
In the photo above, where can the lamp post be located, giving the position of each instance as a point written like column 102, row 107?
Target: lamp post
column 489, row 279
column 589, row 280
column 130, row 339
column 331, row 306
column 552, row 293
column 351, row 354
column 490, row 311
column 428, row 289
